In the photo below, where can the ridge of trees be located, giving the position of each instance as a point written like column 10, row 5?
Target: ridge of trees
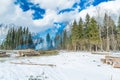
column 86, row 35
column 91, row 36
column 18, row 38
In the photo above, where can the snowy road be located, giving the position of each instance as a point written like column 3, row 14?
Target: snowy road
column 69, row 66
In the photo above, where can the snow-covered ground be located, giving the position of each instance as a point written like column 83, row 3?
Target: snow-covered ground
column 69, row 66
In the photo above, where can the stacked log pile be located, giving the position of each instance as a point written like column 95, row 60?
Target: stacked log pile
column 28, row 52
column 112, row 60
column 3, row 54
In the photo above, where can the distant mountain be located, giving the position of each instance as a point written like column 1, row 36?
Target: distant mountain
column 39, row 39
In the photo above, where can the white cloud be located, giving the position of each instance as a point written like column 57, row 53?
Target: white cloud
column 11, row 13
column 4, row 6
column 47, row 20
column 111, row 7
column 51, row 15
column 55, row 4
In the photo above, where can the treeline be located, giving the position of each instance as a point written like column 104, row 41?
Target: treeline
column 89, row 35
column 18, row 38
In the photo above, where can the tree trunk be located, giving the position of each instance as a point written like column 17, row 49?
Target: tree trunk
column 95, row 47
column 90, row 48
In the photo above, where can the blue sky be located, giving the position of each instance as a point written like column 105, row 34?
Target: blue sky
column 45, row 16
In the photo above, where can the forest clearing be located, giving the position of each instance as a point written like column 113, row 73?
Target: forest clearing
column 65, row 66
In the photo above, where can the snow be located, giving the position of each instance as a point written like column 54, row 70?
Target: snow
column 69, row 66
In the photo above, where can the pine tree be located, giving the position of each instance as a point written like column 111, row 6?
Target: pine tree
column 86, row 32
column 57, row 41
column 48, row 40
column 106, row 32
column 69, row 44
column 112, row 34
column 27, row 34
column 118, row 34
column 74, row 35
column 13, row 37
column 98, row 19
column 93, row 34
column 80, row 34
column 64, row 39
column 30, row 42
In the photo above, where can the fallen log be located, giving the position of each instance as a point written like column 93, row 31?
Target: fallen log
column 22, row 63
column 3, row 54
column 101, row 53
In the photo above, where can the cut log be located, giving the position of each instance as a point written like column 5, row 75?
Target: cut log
column 3, row 54
column 116, row 65
column 116, row 60
column 28, row 52
column 103, row 60
column 111, row 59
